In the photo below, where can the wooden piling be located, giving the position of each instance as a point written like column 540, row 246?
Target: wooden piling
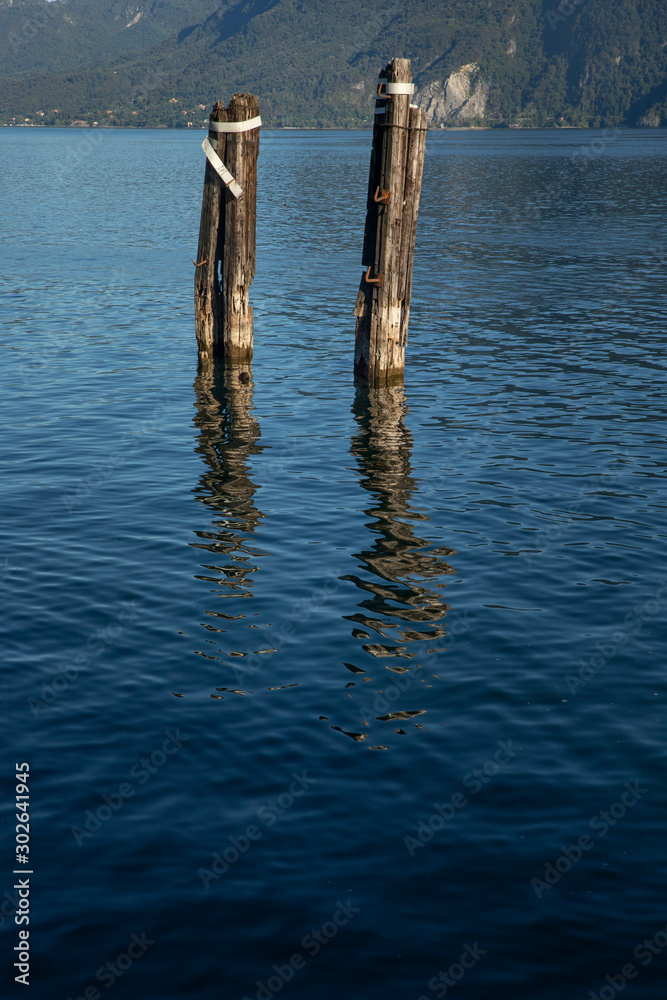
column 225, row 264
column 394, row 190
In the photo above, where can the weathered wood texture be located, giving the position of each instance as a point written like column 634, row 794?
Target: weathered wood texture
column 226, row 252
column 394, row 189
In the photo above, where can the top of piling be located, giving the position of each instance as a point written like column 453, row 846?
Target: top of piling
column 397, row 71
column 241, row 108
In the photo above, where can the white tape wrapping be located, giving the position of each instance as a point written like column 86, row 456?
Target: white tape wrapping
column 235, row 126
column 400, row 88
column 221, row 170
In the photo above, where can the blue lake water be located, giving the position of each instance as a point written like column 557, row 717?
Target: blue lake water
column 218, row 595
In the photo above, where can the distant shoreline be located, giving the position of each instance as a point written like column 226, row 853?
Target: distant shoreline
column 437, row 130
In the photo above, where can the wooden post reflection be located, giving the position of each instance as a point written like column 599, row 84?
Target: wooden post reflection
column 228, row 436
column 402, row 567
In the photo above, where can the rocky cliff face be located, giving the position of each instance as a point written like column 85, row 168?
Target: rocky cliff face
column 461, row 96
column 474, row 62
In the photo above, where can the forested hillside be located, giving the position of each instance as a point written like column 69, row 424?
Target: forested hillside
column 314, row 63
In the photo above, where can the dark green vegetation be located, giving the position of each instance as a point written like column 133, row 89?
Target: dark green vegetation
column 315, row 62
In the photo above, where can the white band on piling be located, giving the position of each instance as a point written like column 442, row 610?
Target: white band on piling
column 221, row 170
column 235, row 126
column 400, row 88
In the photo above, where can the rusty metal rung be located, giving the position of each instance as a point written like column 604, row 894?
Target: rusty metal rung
column 378, row 280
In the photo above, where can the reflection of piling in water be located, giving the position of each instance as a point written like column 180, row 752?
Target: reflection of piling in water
column 382, row 447
column 403, row 604
column 228, row 436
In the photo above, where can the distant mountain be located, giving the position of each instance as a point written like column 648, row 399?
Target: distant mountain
column 315, row 63
column 39, row 37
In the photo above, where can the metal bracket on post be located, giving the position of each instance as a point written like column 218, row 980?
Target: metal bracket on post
column 394, row 183
column 379, row 281
column 391, row 89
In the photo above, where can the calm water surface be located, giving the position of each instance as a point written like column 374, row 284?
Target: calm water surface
column 373, row 678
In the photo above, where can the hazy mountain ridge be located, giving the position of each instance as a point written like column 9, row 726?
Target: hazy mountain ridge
column 58, row 36
column 315, row 63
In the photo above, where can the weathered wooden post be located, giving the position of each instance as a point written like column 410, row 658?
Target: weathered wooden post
column 394, row 189
column 225, row 264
